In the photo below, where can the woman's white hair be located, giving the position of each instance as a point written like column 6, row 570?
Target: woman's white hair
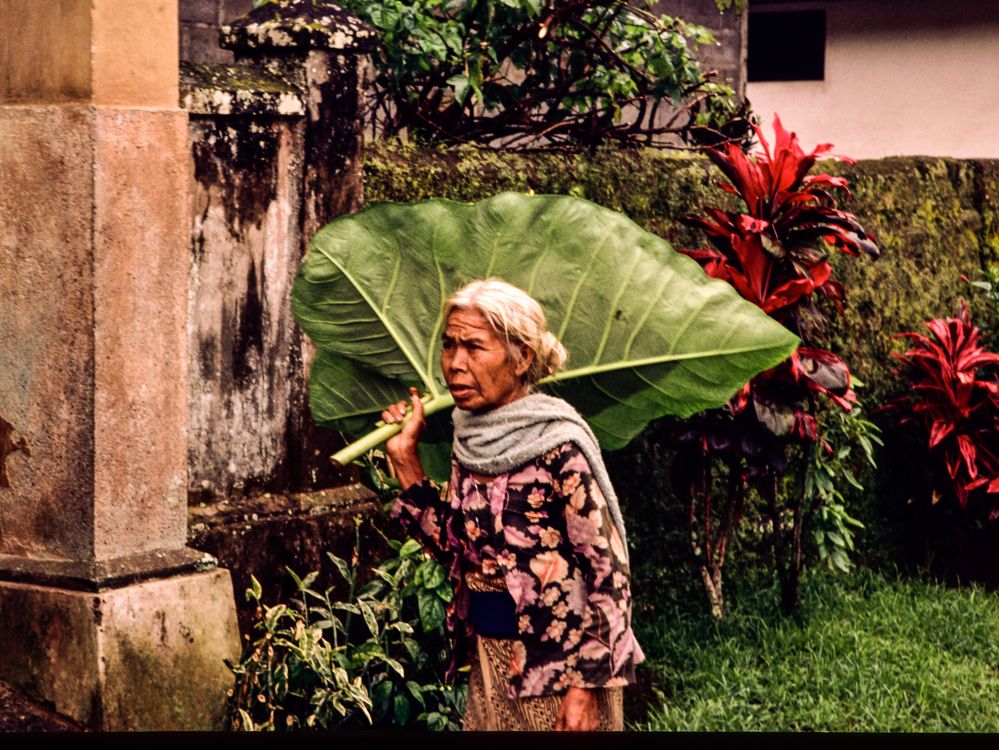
column 516, row 316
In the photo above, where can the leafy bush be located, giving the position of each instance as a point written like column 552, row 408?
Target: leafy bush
column 775, row 254
column 322, row 664
column 530, row 73
column 952, row 398
column 833, row 469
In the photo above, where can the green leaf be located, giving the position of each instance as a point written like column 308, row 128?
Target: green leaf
column 401, row 704
column 294, row 577
column 416, row 690
column 384, row 575
column 341, row 565
column 432, row 611
column 369, row 617
column 433, row 574
column 647, row 331
column 395, row 666
column 363, row 653
column 347, row 607
column 255, row 591
column 410, row 548
column 418, row 575
column 412, row 647
column 380, row 695
column 461, row 89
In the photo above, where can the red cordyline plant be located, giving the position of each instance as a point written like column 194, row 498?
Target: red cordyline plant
column 953, row 397
column 775, row 253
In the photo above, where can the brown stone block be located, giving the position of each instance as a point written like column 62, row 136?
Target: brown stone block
column 108, row 51
column 199, row 11
column 135, row 52
column 93, row 341
column 45, row 50
column 164, row 645
column 51, row 647
column 245, row 243
column 201, row 44
column 140, row 323
column 142, row 657
column 46, row 328
column 233, row 9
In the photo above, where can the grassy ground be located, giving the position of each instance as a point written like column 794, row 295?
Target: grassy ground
column 866, row 653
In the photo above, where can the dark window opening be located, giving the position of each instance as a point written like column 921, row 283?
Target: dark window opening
column 787, row 46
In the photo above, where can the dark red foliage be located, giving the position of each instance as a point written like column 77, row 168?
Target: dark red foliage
column 953, row 395
column 775, row 254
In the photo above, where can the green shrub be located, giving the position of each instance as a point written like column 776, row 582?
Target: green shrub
column 377, row 658
column 530, row 74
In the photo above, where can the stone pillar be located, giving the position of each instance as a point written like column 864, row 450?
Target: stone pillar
column 322, row 49
column 104, row 612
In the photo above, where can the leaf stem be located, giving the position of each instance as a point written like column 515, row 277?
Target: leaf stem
column 376, row 437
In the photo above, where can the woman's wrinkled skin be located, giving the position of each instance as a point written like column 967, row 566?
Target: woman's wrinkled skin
column 481, row 375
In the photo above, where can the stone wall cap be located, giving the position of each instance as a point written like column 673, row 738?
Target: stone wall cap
column 298, row 25
column 271, row 507
column 215, row 89
column 98, row 575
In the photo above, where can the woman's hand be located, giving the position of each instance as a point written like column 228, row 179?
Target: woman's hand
column 578, row 712
column 401, row 448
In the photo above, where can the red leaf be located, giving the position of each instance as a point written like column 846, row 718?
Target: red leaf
column 968, row 453
column 823, row 368
column 939, row 431
column 829, row 181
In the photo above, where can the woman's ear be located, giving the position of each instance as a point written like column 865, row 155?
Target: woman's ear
column 526, row 359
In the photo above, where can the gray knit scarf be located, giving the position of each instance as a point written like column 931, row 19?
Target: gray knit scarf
column 509, row 436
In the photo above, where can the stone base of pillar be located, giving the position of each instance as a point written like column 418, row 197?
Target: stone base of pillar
column 144, row 656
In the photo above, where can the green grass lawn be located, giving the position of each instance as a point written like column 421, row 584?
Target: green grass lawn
column 865, row 654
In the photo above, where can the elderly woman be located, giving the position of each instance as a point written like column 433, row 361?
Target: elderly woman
column 529, row 528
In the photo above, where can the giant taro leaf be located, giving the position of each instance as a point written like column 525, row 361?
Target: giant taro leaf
column 647, row 332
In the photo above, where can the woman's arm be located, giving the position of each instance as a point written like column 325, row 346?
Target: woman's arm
column 607, row 651
column 419, row 507
column 401, row 447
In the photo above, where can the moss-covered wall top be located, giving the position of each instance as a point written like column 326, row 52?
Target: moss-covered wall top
column 934, row 219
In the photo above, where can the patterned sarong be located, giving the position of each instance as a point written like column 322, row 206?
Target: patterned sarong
column 489, row 706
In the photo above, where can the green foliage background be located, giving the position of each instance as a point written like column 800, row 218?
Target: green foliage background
column 934, row 219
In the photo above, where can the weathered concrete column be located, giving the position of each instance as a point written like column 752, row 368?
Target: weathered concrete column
column 103, row 610
column 322, row 49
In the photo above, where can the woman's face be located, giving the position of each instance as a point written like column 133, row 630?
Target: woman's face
column 477, row 365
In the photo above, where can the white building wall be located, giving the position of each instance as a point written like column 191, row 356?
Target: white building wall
column 902, row 77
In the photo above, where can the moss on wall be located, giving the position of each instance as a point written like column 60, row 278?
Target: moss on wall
column 925, row 216
column 988, row 206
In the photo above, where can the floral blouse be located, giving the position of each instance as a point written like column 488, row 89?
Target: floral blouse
column 546, row 528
